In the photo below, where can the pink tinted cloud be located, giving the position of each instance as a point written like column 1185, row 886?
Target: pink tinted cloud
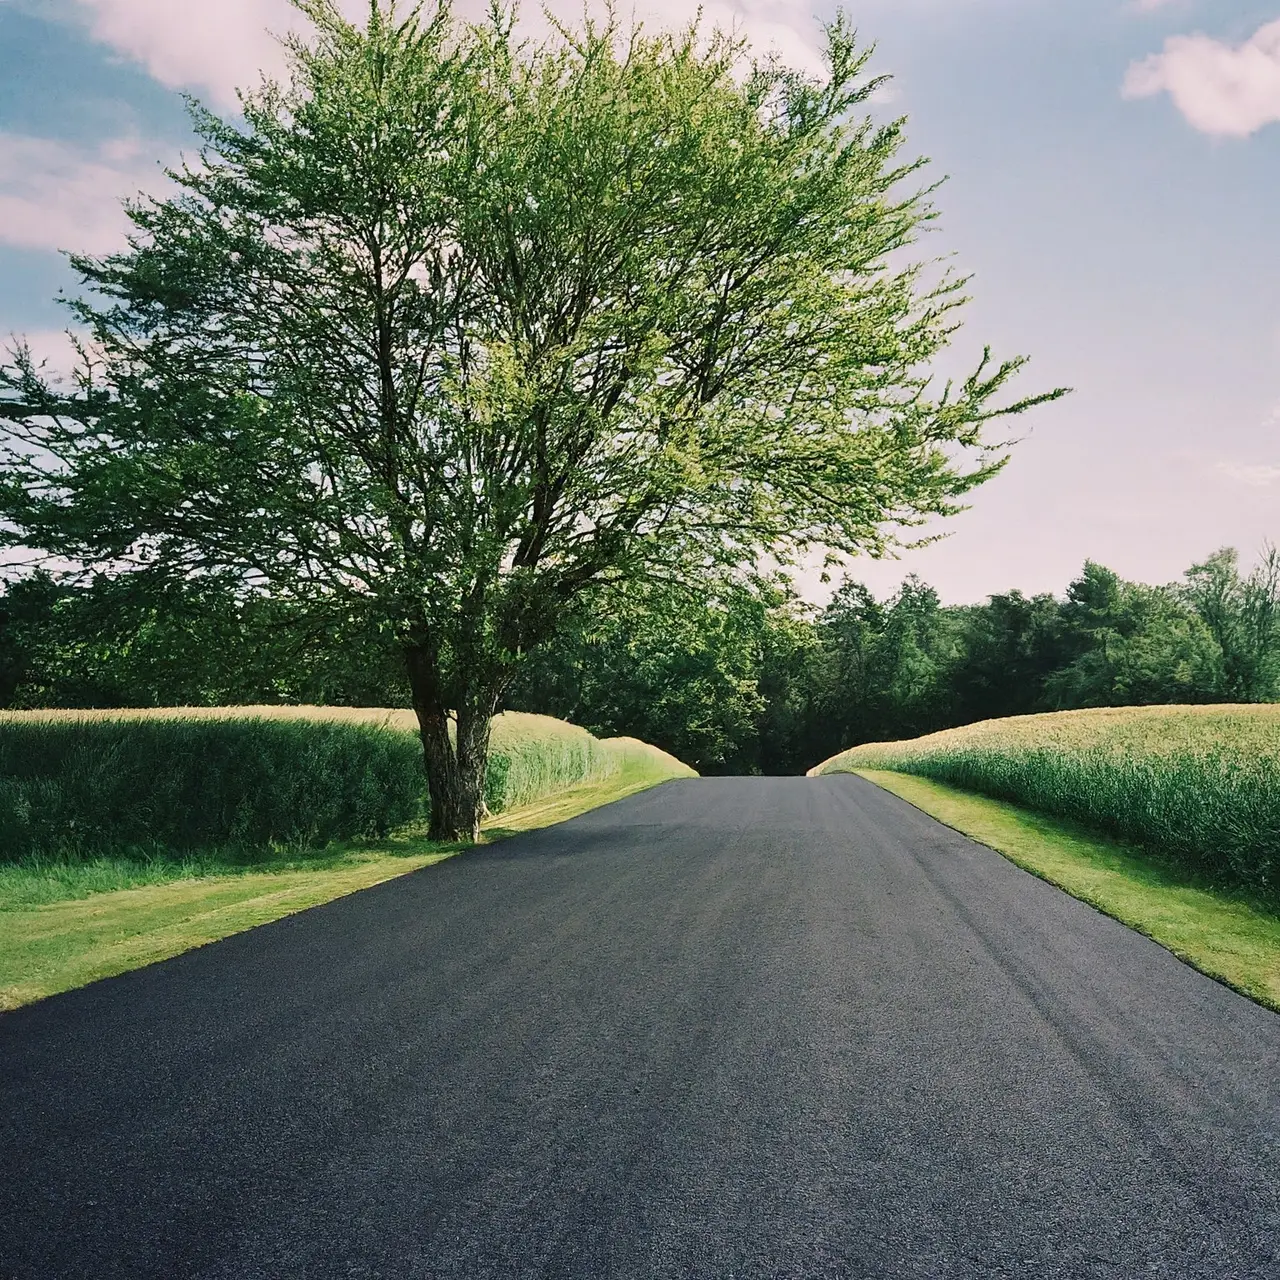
column 1224, row 89
column 212, row 47
column 1256, row 476
column 784, row 27
column 57, row 196
column 217, row 46
column 51, row 348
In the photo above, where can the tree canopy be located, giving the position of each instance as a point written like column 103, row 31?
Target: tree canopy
column 451, row 329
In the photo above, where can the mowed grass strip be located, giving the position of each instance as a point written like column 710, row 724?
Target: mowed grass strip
column 61, row 945
column 1197, row 784
column 1231, row 936
column 65, row 924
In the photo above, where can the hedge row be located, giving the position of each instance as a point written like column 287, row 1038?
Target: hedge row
column 79, row 786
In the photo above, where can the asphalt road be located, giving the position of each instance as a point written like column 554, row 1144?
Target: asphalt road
column 727, row 1028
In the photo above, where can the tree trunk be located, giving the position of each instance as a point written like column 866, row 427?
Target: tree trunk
column 456, row 763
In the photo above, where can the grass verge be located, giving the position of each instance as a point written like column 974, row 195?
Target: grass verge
column 64, row 925
column 1230, row 935
column 1196, row 783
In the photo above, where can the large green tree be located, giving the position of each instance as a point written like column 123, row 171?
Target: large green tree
column 450, row 329
column 883, row 666
column 1125, row 644
column 1007, row 648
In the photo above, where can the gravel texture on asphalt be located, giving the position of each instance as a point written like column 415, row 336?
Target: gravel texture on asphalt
column 726, row 1028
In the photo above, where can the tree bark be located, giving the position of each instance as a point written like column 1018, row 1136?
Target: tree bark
column 456, row 763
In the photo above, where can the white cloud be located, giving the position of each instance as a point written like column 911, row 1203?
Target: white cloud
column 1224, row 89
column 784, row 27
column 212, row 46
column 57, row 196
column 1256, row 476
column 218, row 46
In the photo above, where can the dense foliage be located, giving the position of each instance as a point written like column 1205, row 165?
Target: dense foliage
column 1197, row 784
column 738, row 678
column 74, row 787
column 244, row 779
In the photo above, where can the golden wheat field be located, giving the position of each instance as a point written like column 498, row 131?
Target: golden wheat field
column 510, row 724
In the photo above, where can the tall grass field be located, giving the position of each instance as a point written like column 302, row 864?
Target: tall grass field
column 1199, row 784
column 135, row 836
column 80, row 784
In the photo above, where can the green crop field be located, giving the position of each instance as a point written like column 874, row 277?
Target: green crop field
column 1167, row 818
column 106, row 889
column 1197, row 784
column 83, row 784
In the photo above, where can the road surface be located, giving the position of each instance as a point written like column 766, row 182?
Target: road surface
column 727, row 1028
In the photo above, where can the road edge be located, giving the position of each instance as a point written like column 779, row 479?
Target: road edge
column 1227, row 937
column 281, row 894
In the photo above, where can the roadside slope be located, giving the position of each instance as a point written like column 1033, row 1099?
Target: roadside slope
column 54, row 938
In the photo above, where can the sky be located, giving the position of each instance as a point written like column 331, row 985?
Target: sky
column 1113, row 190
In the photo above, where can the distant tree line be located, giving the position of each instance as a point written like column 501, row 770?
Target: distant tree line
column 741, row 678
column 747, row 680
